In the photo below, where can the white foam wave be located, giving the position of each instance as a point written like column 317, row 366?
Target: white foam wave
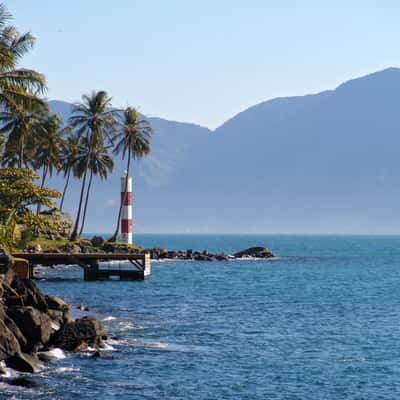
column 107, row 346
column 143, row 343
column 255, row 259
column 66, row 369
column 57, row 353
column 110, row 318
column 126, row 326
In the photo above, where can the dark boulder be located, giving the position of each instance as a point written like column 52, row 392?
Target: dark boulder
column 9, row 345
column 256, row 252
column 55, row 303
column 202, row 257
column 221, row 257
column 33, row 296
column 56, row 316
column 97, row 241
column 73, row 334
column 102, row 354
column 34, row 325
column 22, row 381
column 12, row 326
column 23, row 363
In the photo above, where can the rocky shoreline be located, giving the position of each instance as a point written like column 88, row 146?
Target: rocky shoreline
column 99, row 245
column 32, row 325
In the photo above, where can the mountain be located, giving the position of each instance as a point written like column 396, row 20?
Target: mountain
column 326, row 162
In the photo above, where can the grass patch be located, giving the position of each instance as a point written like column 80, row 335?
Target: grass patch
column 47, row 244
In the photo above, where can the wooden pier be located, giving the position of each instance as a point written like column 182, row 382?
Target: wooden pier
column 140, row 266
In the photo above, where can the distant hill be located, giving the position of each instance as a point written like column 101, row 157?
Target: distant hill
column 327, row 162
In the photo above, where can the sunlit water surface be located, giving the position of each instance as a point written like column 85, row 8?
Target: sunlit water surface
column 321, row 321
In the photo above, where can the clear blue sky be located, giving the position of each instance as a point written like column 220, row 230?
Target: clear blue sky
column 204, row 61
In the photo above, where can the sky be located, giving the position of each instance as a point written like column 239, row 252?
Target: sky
column 204, row 61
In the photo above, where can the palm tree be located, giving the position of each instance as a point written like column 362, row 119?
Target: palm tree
column 92, row 119
column 20, row 126
column 68, row 160
column 19, row 87
column 133, row 138
column 47, row 154
column 100, row 163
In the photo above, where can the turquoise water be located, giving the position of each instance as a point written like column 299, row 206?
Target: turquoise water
column 321, row 321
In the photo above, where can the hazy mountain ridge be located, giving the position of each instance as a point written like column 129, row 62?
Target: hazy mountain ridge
column 320, row 162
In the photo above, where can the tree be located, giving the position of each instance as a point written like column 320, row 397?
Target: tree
column 47, row 154
column 92, row 119
column 132, row 139
column 20, row 126
column 100, row 163
column 18, row 193
column 68, row 158
column 19, row 87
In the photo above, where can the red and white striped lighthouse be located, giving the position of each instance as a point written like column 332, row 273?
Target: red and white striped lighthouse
column 126, row 215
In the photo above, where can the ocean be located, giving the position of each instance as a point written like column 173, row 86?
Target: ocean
column 319, row 321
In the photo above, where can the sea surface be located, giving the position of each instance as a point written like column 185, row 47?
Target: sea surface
column 320, row 321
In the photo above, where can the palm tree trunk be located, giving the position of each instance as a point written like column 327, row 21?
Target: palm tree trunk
column 45, row 169
column 114, row 237
column 86, row 203
column 74, row 233
column 65, row 189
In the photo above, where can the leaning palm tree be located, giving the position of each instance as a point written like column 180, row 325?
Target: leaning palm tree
column 19, row 87
column 68, row 159
column 47, row 154
column 100, row 163
column 93, row 120
column 132, row 139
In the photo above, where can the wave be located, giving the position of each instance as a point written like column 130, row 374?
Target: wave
column 61, row 370
column 54, row 354
column 110, row 318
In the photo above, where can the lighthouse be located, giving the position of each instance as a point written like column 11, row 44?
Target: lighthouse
column 126, row 215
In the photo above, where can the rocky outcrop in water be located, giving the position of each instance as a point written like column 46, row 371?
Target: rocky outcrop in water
column 32, row 323
column 253, row 252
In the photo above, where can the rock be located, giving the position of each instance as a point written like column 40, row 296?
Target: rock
column 221, row 257
column 67, row 317
column 202, row 257
column 256, row 252
column 60, row 222
column 14, row 301
column 12, row 326
column 32, row 295
column 97, row 241
column 72, row 248
column 56, row 316
column 172, row 254
column 86, row 329
column 55, row 303
column 22, row 381
column 9, row 345
column 23, row 363
column 158, row 253
column 34, row 325
column 81, row 347
column 82, row 307
column 102, row 354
